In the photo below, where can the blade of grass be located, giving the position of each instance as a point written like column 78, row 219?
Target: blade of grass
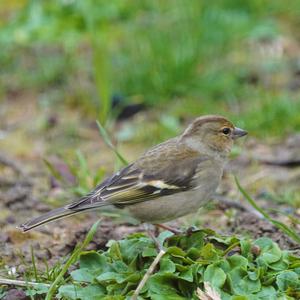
column 54, row 172
column 72, row 259
column 84, row 174
column 82, row 163
column 288, row 231
column 108, row 142
column 34, row 264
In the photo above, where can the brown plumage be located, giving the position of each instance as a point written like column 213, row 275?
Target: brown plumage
column 171, row 179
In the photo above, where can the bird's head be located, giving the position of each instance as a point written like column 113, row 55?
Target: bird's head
column 212, row 133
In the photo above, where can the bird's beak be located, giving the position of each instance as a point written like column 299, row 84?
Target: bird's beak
column 238, row 132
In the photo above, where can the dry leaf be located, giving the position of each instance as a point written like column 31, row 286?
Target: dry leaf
column 209, row 293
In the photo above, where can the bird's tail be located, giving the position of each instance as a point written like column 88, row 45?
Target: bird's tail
column 50, row 216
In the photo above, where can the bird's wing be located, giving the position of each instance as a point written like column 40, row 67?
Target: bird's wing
column 148, row 178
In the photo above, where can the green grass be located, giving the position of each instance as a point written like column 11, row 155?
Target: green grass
column 183, row 59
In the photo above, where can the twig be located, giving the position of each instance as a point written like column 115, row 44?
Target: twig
column 21, row 282
column 148, row 274
column 231, row 203
column 238, row 205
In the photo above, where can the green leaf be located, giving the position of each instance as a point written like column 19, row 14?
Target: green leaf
column 166, row 265
column 287, row 279
column 38, row 289
column 208, row 252
column 270, row 251
column 111, row 297
column 134, row 277
column 82, row 275
column 115, row 251
column 163, row 236
column 254, row 275
column 194, row 240
column 181, row 268
column 280, row 265
column 176, row 251
column 120, row 267
column 297, row 270
column 241, row 281
column 237, row 261
column 111, row 276
column 247, row 286
column 161, row 285
column 267, row 293
column 246, row 248
column 193, row 253
column 187, row 275
column 245, row 297
column 131, row 248
column 92, row 261
column 72, row 292
column 68, row 291
column 166, row 297
column 215, row 275
column 149, row 252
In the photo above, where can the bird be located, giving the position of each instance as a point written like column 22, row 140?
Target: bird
column 170, row 180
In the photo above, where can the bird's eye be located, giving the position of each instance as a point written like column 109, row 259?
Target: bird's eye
column 226, row 130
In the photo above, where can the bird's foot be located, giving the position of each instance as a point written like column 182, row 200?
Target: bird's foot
column 188, row 231
column 171, row 229
column 191, row 230
column 153, row 234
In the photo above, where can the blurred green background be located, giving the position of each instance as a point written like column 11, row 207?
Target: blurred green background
column 179, row 59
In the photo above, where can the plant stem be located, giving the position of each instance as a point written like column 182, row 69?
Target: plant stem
column 21, row 282
column 148, row 274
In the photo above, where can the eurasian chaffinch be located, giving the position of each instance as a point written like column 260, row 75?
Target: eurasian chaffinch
column 168, row 181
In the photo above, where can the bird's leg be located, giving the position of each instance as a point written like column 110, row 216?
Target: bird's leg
column 152, row 236
column 171, row 229
column 188, row 231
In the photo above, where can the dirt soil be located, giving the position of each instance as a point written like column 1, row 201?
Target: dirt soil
column 269, row 171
